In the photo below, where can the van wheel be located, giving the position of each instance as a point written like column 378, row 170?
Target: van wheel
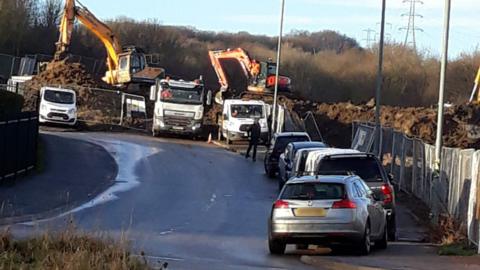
column 276, row 247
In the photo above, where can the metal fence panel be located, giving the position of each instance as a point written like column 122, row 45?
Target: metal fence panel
column 473, row 213
column 364, row 137
column 454, row 190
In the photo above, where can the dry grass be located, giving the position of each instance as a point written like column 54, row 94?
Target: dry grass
column 66, row 251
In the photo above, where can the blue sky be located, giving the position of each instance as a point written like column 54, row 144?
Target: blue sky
column 350, row 17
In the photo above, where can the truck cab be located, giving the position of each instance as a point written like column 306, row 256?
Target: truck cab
column 58, row 105
column 179, row 106
column 238, row 115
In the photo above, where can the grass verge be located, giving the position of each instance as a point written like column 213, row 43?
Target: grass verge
column 68, row 251
column 457, row 249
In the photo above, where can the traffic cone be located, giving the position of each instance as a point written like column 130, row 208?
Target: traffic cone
column 209, row 138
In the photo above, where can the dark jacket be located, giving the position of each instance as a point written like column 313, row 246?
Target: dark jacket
column 255, row 132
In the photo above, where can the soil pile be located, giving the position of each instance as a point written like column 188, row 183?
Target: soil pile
column 460, row 128
column 93, row 105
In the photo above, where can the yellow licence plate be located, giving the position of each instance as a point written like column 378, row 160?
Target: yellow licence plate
column 310, row 212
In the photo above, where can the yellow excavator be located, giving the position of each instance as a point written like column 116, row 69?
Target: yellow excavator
column 125, row 66
column 475, row 97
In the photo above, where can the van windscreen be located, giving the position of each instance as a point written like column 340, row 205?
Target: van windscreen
column 58, row 97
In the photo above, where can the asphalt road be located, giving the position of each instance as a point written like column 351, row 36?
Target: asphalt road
column 197, row 206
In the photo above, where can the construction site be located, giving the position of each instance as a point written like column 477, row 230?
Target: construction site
column 144, row 108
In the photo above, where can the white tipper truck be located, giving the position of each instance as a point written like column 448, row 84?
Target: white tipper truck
column 179, row 106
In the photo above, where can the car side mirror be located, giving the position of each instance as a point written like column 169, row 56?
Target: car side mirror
column 153, row 92
column 288, row 167
column 209, row 98
column 375, row 196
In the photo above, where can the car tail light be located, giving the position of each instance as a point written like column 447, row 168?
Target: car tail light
column 387, row 193
column 344, row 204
column 280, row 204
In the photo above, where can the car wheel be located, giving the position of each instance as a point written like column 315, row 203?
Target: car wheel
column 276, row 247
column 392, row 229
column 365, row 244
column 383, row 243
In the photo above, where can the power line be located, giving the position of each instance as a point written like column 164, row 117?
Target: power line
column 411, row 28
column 369, row 37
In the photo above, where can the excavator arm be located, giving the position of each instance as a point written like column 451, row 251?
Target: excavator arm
column 237, row 54
column 101, row 31
column 476, row 89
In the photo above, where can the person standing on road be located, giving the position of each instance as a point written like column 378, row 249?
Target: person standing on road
column 254, row 132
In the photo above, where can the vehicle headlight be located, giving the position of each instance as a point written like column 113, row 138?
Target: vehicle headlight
column 71, row 111
column 43, row 107
column 199, row 114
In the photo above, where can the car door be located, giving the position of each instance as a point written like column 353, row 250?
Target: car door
column 282, row 165
column 376, row 207
column 371, row 207
column 289, row 162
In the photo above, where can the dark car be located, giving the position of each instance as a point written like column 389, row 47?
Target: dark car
column 277, row 147
column 369, row 168
column 286, row 159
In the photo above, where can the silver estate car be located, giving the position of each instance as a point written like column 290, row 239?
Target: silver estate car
column 334, row 211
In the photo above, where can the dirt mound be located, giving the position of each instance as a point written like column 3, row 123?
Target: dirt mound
column 58, row 73
column 94, row 106
column 415, row 122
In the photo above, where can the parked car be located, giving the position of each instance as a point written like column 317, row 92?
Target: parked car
column 277, row 146
column 299, row 166
column 336, row 211
column 285, row 162
column 366, row 166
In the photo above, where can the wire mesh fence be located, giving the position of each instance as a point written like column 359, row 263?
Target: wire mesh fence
column 453, row 190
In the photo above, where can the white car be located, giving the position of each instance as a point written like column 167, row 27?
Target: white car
column 58, row 105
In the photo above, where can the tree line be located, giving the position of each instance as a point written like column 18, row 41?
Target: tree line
column 325, row 66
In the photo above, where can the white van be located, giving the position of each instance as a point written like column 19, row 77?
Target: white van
column 58, row 105
column 239, row 115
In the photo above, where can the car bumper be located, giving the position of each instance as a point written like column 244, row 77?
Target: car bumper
column 316, row 233
column 195, row 127
column 239, row 135
column 56, row 120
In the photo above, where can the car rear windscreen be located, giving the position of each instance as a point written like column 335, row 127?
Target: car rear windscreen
column 282, row 142
column 313, row 191
column 365, row 167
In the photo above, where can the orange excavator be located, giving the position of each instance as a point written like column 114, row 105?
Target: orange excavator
column 260, row 75
column 124, row 65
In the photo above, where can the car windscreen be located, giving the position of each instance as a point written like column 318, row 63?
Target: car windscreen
column 313, row 191
column 282, row 142
column 365, row 167
column 58, row 97
column 247, row 111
